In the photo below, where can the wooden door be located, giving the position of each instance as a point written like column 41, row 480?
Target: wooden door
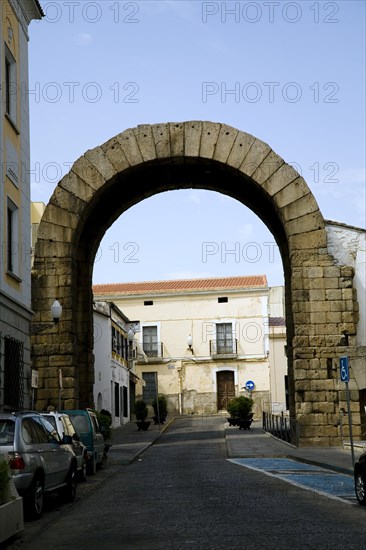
column 225, row 388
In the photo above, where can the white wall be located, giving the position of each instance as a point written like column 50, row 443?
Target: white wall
column 348, row 246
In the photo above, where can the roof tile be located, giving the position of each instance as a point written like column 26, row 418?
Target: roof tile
column 223, row 283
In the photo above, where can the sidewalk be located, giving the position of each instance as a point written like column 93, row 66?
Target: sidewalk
column 128, row 444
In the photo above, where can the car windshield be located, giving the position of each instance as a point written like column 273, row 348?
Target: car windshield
column 80, row 423
column 7, row 428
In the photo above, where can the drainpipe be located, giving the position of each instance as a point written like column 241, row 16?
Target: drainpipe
column 180, row 404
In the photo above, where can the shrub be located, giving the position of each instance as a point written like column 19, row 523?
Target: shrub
column 105, row 422
column 162, row 403
column 240, row 407
column 140, row 409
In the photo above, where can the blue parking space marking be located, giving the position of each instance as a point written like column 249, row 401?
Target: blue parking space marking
column 334, row 484
column 307, row 476
column 274, row 464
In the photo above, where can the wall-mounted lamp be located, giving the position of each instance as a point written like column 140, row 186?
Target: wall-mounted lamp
column 190, row 343
column 56, row 312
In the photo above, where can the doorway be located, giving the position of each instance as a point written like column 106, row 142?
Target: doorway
column 225, row 389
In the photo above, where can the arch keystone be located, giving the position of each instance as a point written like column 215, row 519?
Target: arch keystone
column 192, row 138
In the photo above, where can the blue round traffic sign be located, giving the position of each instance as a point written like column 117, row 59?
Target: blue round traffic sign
column 249, row 385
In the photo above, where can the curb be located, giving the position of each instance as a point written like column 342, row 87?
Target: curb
column 141, row 451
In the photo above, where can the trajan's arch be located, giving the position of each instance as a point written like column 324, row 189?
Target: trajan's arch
column 321, row 302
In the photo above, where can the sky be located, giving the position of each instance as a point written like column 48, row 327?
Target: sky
column 290, row 73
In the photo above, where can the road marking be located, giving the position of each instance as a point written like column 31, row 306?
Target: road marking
column 307, row 476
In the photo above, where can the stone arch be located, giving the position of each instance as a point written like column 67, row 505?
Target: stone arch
column 140, row 162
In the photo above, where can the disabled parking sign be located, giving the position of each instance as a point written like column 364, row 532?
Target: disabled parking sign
column 343, row 361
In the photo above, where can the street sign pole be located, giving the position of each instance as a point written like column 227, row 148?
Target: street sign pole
column 343, row 363
column 350, row 424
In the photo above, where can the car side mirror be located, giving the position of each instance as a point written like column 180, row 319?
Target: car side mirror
column 67, row 440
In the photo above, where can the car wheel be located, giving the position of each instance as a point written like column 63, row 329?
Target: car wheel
column 92, row 466
column 34, row 499
column 360, row 488
column 83, row 471
column 69, row 492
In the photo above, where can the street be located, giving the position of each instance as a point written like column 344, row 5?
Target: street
column 184, row 493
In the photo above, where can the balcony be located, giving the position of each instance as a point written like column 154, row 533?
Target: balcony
column 223, row 349
column 153, row 351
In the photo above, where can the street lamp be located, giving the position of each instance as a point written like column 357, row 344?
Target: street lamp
column 56, row 312
column 190, row 343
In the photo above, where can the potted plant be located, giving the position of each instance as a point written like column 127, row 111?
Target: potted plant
column 240, row 410
column 11, row 504
column 232, row 409
column 160, row 407
column 141, row 413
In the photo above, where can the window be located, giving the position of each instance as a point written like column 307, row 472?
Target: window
column 223, row 300
column 10, row 85
column 12, row 238
column 150, row 388
column 125, row 401
column 224, row 338
column 114, row 340
column 148, row 303
column 116, row 399
column 150, row 341
column 13, row 373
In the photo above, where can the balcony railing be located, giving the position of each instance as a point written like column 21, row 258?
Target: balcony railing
column 223, row 347
column 153, row 350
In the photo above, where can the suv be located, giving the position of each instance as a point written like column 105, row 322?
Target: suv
column 39, row 460
column 87, row 427
column 62, row 423
column 360, row 479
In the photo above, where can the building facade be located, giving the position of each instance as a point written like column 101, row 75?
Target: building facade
column 15, row 276
column 202, row 342
column 115, row 379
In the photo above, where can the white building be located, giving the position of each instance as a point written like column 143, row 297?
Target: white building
column 204, row 340
column 15, row 235
column 115, row 380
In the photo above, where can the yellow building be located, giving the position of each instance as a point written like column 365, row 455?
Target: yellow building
column 201, row 341
column 15, row 277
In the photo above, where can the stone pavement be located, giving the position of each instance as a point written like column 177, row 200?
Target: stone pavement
column 128, row 444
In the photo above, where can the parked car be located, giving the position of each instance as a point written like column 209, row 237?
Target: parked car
column 62, row 423
column 40, row 461
column 360, row 479
column 87, row 427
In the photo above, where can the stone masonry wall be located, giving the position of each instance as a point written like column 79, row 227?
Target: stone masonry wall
column 322, row 308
